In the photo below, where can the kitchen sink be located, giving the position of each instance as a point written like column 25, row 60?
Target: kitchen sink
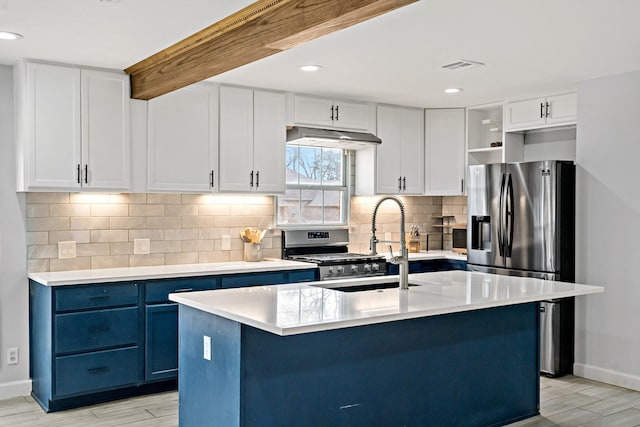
column 369, row 287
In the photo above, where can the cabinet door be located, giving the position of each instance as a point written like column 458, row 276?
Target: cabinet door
column 412, row 151
column 161, row 342
column 236, row 139
column 53, row 111
column 444, row 151
column 351, row 115
column 388, row 176
column 526, row 114
column 183, row 140
column 105, row 130
column 562, row 109
column 313, row 111
column 269, row 136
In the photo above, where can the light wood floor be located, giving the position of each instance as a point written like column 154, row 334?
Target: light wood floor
column 566, row 401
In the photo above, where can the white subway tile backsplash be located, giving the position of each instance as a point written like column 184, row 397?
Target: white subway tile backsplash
column 110, row 261
column 188, row 228
column 89, row 223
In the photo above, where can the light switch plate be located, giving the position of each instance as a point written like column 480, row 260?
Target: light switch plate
column 206, row 343
column 141, row 246
column 66, row 250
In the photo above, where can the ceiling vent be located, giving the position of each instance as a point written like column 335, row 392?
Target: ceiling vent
column 463, row 64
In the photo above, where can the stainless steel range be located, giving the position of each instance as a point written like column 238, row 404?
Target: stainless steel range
column 329, row 249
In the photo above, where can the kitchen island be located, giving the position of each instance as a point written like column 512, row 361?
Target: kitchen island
column 457, row 348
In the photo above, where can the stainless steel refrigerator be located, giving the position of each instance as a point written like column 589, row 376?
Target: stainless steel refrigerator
column 521, row 223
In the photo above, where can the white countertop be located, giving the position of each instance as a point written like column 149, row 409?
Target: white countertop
column 78, row 277
column 433, row 254
column 302, row 308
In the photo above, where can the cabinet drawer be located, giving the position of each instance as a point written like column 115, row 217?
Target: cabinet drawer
column 302, row 276
column 92, row 330
column 98, row 371
column 96, row 296
column 158, row 291
column 255, row 279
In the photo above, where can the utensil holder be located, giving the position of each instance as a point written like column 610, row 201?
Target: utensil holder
column 253, row 252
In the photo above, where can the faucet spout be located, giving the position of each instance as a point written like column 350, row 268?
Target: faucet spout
column 403, row 259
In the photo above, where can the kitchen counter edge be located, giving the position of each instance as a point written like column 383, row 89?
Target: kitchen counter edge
column 124, row 274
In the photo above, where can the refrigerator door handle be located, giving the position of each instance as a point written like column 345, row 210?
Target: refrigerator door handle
column 501, row 215
column 509, row 214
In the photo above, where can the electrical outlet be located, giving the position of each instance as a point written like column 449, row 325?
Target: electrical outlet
column 206, row 341
column 12, row 356
column 226, row 243
column 66, row 250
column 141, row 246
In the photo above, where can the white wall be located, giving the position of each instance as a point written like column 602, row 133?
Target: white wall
column 14, row 291
column 608, row 229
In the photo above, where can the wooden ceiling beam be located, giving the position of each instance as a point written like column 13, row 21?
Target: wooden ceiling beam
column 261, row 29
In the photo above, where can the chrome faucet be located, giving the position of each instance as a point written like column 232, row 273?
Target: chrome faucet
column 403, row 259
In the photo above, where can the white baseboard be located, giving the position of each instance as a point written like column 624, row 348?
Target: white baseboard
column 607, row 376
column 15, row 389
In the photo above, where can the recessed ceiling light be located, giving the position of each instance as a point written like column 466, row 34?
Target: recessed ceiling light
column 310, row 67
column 453, row 90
column 7, row 35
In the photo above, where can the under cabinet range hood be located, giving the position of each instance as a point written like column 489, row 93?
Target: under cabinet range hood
column 330, row 138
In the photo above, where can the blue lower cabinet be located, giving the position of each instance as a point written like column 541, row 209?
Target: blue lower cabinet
column 161, row 337
column 96, row 371
column 269, row 278
column 99, row 342
column 429, row 265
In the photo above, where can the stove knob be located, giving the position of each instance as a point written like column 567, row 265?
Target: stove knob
column 375, row 267
column 354, row 269
column 339, row 269
column 330, row 269
column 367, row 268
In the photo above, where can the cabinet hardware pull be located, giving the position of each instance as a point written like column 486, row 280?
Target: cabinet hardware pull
column 399, row 183
column 332, row 113
column 95, row 297
column 78, row 173
column 546, row 114
column 251, row 181
column 211, row 179
column 100, row 370
column 462, row 186
column 86, row 173
column 541, row 110
column 404, row 182
column 337, row 106
column 257, row 179
column 182, row 290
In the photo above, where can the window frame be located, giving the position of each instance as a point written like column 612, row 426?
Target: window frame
column 345, row 188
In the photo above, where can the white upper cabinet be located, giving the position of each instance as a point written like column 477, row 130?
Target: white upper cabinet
column 400, row 157
column 183, row 140
column 541, row 112
column 72, row 128
column 106, row 148
column 252, row 140
column 327, row 113
column 444, row 152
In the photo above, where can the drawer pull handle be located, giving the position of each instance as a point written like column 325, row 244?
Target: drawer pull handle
column 182, row 290
column 100, row 370
column 100, row 297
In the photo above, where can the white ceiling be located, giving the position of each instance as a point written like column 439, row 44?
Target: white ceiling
column 530, row 47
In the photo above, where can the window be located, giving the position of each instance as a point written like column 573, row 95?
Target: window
column 316, row 187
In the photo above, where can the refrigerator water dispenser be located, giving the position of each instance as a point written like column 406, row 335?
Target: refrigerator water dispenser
column 481, row 232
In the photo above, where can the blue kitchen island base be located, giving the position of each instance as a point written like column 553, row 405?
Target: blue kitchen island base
column 473, row 368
